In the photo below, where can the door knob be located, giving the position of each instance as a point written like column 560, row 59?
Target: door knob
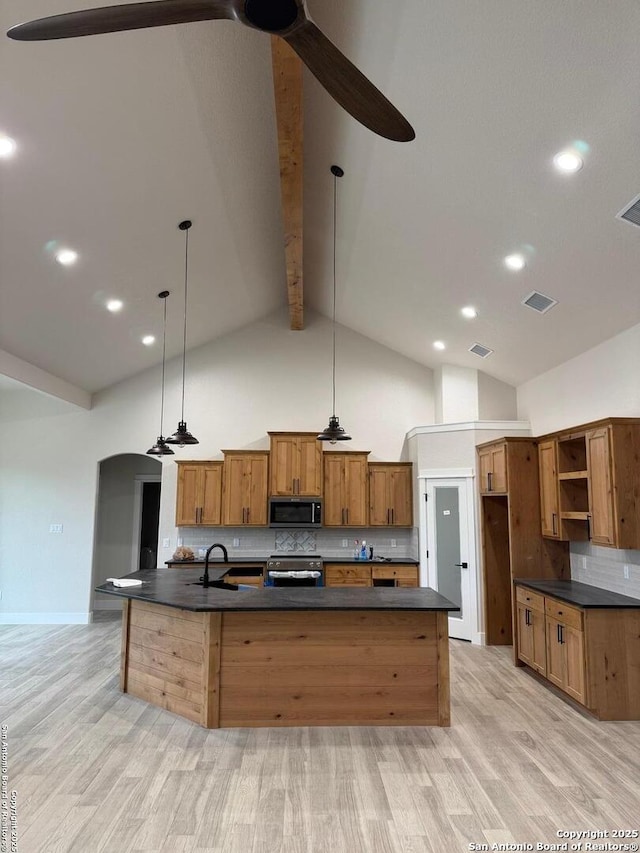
column 462, row 565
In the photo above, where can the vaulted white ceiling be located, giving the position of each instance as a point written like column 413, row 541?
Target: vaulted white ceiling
column 123, row 135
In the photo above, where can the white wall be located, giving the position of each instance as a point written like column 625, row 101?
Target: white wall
column 261, row 377
column 497, row 401
column 602, row 382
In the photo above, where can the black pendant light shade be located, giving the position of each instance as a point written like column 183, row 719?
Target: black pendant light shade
column 160, row 448
column 334, row 432
column 182, row 435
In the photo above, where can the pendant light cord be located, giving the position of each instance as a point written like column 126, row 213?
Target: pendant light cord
column 164, row 346
column 184, row 336
column 335, row 208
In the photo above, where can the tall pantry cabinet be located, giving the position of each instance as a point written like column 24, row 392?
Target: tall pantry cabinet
column 510, row 526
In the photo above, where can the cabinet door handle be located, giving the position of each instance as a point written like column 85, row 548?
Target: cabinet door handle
column 588, row 527
column 388, row 522
column 526, row 616
column 393, row 516
column 244, row 513
column 248, row 514
column 562, row 634
column 553, row 520
column 489, row 482
column 347, row 512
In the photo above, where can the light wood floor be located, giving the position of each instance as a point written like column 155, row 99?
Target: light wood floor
column 99, row 771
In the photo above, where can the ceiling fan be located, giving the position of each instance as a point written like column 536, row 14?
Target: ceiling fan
column 287, row 19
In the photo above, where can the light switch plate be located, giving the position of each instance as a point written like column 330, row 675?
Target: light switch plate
column 626, row 572
column 166, row 543
column 345, row 543
column 236, row 543
column 394, row 543
column 55, row 528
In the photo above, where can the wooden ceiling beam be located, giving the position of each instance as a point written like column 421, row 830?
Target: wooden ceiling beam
column 287, row 85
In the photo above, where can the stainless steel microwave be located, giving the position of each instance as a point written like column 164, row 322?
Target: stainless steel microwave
column 295, row 512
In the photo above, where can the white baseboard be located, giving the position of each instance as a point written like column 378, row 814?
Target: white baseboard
column 45, row 618
column 478, row 639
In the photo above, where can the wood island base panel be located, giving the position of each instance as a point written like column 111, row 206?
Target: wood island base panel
column 289, row 668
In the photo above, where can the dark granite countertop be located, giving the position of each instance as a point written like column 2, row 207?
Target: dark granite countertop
column 580, row 594
column 174, row 589
column 386, row 561
column 247, row 561
column 257, row 561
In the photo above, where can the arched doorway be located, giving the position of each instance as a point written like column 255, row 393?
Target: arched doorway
column 127, row 514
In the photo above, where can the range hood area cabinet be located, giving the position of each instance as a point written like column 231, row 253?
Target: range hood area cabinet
column 390, row 494
column 244, row 493
column 199, row 494
column 510, row 528
column 590, row 484
column 346, row 493
column 295, row 464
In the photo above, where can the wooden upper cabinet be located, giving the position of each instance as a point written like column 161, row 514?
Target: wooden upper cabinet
column 245, row 488
column 492, row 464
column 549, row 498
column 390, row 494
column 296, row 464
column 345, row 489
column 199, row 494
column 601, row 507
column 596, row 495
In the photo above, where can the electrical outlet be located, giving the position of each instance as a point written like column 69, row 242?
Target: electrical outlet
column 345, row 543
column 236, row 543
column 55, row 528
column 166, row 543
column 626, row 572
column 179, row 541
column 583, row 562
column 394, row 543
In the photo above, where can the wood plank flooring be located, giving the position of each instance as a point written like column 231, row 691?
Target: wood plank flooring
column 97, row 771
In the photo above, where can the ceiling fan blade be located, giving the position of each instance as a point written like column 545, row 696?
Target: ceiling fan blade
column 112, row 19
column 347, row 85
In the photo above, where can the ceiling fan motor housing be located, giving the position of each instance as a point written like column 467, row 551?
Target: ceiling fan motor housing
column 274, row 16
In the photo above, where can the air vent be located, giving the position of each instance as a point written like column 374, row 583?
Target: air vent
column 539, row 302
column 478, row 349
column 631, row 213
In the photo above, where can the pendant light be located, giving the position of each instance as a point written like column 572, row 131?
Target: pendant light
column 182, row 435
column 334, row 432
column 161, row 448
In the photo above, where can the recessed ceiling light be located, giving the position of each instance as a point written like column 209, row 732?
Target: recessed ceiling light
column 515, row 262
column 115, row 305
column 148, row 340
column 438, row 345
column 66, row 257
column 469, row 312
column 7, row 146
column 568, row 161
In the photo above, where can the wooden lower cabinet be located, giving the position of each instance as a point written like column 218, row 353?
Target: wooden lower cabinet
column 592, row 654
column 339, row 574
column 531, row 630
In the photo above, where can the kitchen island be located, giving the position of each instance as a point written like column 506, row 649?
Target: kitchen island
column 285, row 656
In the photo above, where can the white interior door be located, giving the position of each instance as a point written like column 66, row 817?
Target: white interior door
column 451, row 550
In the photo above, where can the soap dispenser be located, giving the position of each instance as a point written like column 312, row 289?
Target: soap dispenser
column 363, row 550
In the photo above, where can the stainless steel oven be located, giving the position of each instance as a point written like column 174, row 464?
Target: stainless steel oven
column 294, row 570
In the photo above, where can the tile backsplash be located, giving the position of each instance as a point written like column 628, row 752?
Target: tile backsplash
column 328, row 542
column 605, row 568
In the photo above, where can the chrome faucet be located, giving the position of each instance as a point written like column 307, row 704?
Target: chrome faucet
column 205, row 577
